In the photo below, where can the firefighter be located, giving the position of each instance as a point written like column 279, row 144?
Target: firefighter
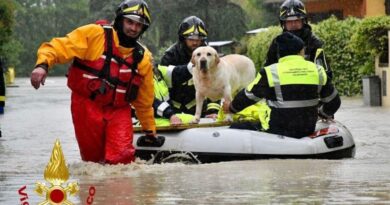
column 293, row 19
column 2, row 85
column 176, row 70
column 164, row 112
column 110, row 72
column 2, row 88
column 293, row 89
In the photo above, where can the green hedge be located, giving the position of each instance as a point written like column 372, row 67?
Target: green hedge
column 350, row 46
column 257, row 46
column 370, row 38
column 344, row 62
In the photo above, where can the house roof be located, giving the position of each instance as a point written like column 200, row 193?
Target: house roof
column 281, row 1
column 273, row 1
column 259, row 30
column 220, row 43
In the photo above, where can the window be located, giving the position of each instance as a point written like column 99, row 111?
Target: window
column 384, row 59
column 384, row 83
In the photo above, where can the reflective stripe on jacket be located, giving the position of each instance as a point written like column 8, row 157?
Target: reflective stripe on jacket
column 293, row 89
column 296, row 72
column 161, row 94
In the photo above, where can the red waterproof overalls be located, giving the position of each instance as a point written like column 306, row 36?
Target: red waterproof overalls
column 101, row 92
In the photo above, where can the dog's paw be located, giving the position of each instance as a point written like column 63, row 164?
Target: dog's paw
column 195, row 120
column 228, row 118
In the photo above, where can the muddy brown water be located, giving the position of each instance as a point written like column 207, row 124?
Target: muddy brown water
column 33, row 119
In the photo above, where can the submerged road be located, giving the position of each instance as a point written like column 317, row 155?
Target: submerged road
column 33, row 119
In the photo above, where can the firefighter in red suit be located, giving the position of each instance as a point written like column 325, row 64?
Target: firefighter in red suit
column 110, row 72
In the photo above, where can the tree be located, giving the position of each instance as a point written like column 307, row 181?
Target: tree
column 6, row 22
column 38, row 21
column 224, row 20
column 260, row 14
column 102, row 9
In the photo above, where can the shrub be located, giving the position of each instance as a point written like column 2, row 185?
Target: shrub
column 257, row 46
column 343, row 60
column 371, row 39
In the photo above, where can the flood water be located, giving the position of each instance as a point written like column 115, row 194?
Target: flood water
column 33, row 119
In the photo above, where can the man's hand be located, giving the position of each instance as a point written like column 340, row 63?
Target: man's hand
column 150, row 133
column 212, row 116
column 324, row 117
column 175, row 120
column 38, row 77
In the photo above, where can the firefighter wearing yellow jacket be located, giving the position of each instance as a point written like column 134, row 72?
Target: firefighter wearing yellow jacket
column 2, row 86
column 164, row 112
column 110, row 71
column 293, row 89
column 176, row 70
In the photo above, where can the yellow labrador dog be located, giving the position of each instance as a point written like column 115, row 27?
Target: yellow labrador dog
column 219, row 78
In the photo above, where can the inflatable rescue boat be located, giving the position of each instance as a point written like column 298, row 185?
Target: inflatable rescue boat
column 210, row 142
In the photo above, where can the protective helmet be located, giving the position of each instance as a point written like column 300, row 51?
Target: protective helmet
column 136, row 10
column 192, row 28
column 292, row 10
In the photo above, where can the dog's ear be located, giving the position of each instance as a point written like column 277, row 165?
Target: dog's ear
column 193, row 58
column 216, row 58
